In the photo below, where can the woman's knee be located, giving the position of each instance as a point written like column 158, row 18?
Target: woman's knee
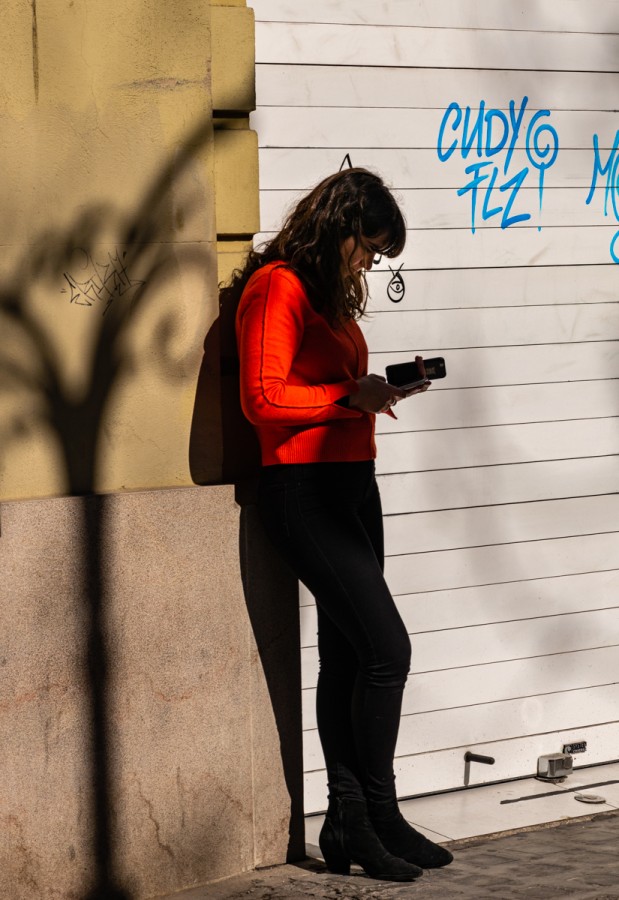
column 391, row 669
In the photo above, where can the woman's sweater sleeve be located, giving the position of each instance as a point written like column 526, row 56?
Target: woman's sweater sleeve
column 270, row 327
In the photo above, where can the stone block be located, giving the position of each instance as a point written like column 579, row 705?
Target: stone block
column 232, row 40
column 237, row 210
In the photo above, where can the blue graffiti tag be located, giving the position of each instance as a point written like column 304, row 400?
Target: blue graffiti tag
column 611, row 190
column 490, row 132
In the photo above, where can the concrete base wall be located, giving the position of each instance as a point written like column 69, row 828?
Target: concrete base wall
column 201, row 746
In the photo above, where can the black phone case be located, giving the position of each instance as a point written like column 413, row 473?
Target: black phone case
column 407, row 374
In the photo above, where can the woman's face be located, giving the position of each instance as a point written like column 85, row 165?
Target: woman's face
column 360, row 253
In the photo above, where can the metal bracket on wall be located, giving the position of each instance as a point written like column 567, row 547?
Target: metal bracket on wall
column 470, row 757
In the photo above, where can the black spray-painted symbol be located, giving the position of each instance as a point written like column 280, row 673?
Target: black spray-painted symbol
column 99, row 282
column 396, row 287
column 346, row 162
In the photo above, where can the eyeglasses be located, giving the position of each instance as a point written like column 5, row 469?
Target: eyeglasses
column 377, row 254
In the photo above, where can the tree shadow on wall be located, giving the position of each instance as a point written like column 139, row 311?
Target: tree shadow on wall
column 145, row 256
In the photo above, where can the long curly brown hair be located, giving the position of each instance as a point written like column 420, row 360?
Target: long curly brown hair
column 352, row 203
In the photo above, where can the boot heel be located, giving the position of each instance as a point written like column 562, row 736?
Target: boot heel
column 336, row 859
column 347, row 835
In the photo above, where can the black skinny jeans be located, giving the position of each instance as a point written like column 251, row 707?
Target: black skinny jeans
column 326, row 520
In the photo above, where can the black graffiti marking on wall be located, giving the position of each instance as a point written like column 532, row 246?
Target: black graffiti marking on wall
column 396, row 287
column 105, row 282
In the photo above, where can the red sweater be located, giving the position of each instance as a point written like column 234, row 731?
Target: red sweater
column 294, row 366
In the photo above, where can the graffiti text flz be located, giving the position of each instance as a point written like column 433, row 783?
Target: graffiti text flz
column 491, row 135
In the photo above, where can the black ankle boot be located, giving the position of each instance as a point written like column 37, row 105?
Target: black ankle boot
column 347, row 835
column 401, row 839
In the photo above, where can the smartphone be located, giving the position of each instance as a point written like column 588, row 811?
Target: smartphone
column 407, row 375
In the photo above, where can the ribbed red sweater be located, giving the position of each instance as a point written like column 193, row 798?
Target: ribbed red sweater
column 294, row 366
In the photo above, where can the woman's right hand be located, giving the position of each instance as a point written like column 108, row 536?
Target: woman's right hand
column 375, row 394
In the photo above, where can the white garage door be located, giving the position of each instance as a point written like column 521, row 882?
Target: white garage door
column 495, row 124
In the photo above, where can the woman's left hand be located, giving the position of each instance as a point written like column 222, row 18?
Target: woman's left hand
column 420, row 388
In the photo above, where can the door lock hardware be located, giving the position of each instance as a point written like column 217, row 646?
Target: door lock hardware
column 554, row 767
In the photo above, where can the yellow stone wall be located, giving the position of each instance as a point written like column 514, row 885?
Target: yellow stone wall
column 129, row 190
column 130, row 186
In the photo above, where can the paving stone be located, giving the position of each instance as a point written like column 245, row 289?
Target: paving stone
column 573, row 860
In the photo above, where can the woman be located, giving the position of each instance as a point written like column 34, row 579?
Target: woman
column 305, row 388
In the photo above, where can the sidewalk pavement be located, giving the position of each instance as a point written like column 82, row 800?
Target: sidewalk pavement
column 576, row 859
